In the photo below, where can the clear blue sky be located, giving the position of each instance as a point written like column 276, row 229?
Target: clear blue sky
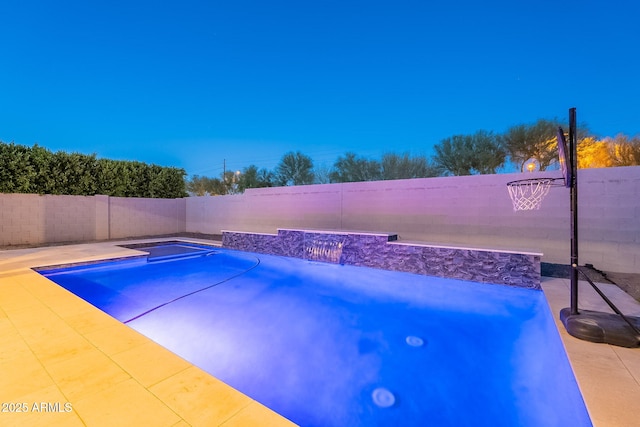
column 190, row 83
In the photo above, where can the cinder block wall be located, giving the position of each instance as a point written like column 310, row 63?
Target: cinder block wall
column 22, row 219
column 267, row 209
column 471, row 211
column 132, row 217
column 69, row 218
column 31, row 219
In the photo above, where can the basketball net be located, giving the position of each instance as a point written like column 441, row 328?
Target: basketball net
column 527, row 194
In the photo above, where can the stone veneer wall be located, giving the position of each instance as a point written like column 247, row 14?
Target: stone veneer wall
column 382, row 251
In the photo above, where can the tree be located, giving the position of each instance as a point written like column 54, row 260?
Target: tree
column 231, row 180
column 489, row 152
column 625, row 151
column 608, row 152
column 352, row 168
column 294, row 169
column 454, row 155
column 202, row 185
column 481, row 153
column 215, row 187
column 248, row 178
column 593, row 153
column 538, row 140
column 265, row 178
column 252, row 177
column 403, row 166
column 322, row 174
column 197, row 185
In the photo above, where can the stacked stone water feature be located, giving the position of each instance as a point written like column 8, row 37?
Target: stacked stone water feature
column 383, row 250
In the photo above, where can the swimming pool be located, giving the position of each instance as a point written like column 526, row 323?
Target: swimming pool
column 327, row 344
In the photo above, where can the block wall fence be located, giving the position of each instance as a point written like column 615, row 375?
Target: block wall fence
column 31, row 219
column 469, row 212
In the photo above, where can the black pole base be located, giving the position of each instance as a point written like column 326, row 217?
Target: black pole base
column 596, row 326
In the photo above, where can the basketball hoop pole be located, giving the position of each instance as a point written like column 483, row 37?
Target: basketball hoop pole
column 616, row 329
column 573, row 164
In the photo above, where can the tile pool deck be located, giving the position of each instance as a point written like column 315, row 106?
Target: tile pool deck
column 57, row 350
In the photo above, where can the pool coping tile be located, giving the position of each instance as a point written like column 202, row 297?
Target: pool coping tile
column 150, row 363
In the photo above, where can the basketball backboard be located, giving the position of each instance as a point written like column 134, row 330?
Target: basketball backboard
column 563, row 155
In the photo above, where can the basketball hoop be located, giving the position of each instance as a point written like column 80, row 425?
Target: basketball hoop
column 527, row 194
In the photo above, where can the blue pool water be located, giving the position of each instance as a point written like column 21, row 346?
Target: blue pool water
column 334, row 345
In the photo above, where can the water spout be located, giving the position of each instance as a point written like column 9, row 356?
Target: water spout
column 324, row 250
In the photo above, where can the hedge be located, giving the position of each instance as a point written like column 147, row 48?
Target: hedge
column 38, row 170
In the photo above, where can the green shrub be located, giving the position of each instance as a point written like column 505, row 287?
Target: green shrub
column 40, row 171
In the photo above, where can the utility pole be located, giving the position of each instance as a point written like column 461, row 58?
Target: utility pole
column 224, row 175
